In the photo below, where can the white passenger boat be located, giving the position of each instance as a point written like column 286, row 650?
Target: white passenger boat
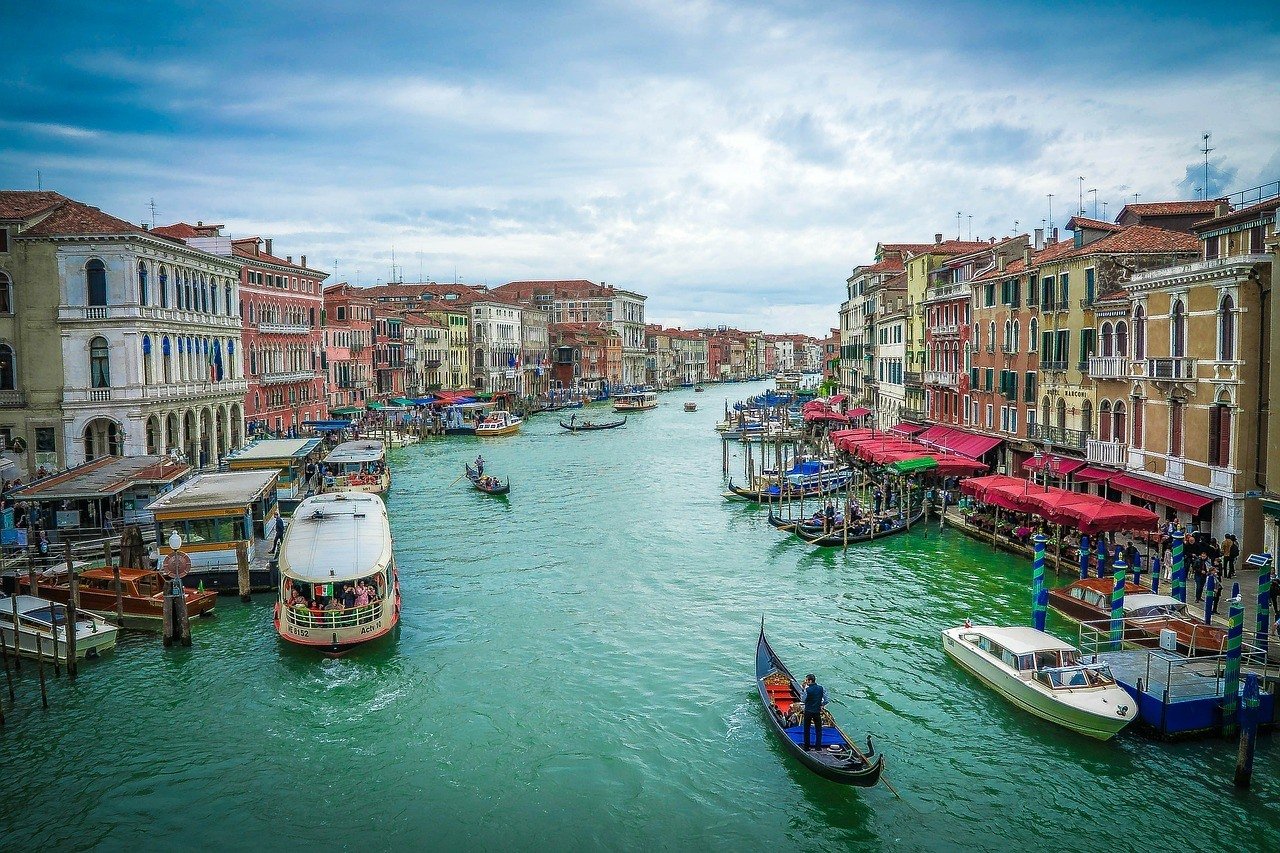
column 498, row 423
column 46, row 622
column 339, row 586
column 359, row 466
column 637, row 402
column 1044, row 676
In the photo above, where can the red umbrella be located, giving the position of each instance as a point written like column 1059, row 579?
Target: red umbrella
column 1109, row 515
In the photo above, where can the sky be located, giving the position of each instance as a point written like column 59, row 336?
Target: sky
column 732, row 161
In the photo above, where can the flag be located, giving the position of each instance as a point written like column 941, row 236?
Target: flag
column 213, row 368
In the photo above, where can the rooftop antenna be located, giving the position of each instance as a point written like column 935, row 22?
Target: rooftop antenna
column 1205, row 150
column 335, row 269
column 1104, row 211
column 39, row 181
column 971, row 227
column 1050, row 213
column 1015, row 226
column 419, row 266
column 1136, row 196
column 393, row 264
column 1095, row 202
column 1080, row 212
column 152, row 205
column 958, row 231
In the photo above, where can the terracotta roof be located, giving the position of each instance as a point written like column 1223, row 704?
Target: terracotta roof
column 1143, row 239
column 1013, row 267
column 887, row 265
column 912, row 248
column 72, row 219
column 1076, row 223
column 1236, row 215
column 185, row 231
column 20, row 204
column 414, row 319
column 571, row 288
column 1170, row 208
column 242, row 249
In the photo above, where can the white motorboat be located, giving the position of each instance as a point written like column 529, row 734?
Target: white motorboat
column 42, row 629
column 1044, row 676
column 498, row 423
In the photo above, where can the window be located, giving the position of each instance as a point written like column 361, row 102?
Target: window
column 228, row 299
column 1062, row 414
column 1104, row 421
column 8, row 377
column 1177, row 330
column 1063, row 295
column 1090, row 285
column 1122, row 339
column 6, row 294
column 1017, row 336
column 1108, row 341
column 1136, row 439
column 1030, row 382
column 142, row 283
column 1063, row 352
column 1086, row 417
column 96, row 278
column 1220, row 434
column 1046, row 292
column 1175, row 428
column 4, row 240
column 99, row 363
column 1119, row 427
column 1033, row 338
column 990, row 415
column 164, row 288
column 1256, row 246
column 1087, row 338
column 989, row 381
column 1139, row 333
column 1226, row 329
column 1210, row 248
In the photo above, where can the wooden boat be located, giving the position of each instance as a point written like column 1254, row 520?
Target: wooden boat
column 498, row 423
column 813, row 524
column 772, row 494
column 837, row 537
column 691, row 406
column 699, row 388
column 333, row 541
column 1043, row 676
column 637, row 402
column 1145, row 614
column 575, row 425
column 488, row 485
column 42, row 629
column 141, row 595
column 839, row 760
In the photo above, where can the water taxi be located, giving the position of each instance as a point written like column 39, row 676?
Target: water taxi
column 1044, row 676
column 1145, row 614
column 640, row 401
column 691, row 406
column 42, row 629
column 357, row 466
column 498, row 423
column 339, row 586
column 291, row 457
column 141, row 595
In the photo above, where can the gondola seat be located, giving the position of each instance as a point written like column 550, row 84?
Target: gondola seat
column 829, row 736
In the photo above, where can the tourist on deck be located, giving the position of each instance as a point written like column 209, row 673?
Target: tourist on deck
column 348, row 596
column 362, row 594
column 814, row 698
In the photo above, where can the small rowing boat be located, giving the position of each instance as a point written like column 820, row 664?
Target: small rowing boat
column 487, row 484
column 575, row 425
column 691, row 406
column 839, row 759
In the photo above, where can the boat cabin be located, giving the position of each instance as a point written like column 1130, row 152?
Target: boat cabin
column 1051, row 662
column 289, row 457
column 635, row 402
column 215, row 513
column 461, row 419
column 357, row 466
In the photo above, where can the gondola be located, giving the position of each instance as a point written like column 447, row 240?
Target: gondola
column 764, row 497
column 474, row 477
column 836, row 538
column 778, row 688
column 803, row 525
column 588, row 426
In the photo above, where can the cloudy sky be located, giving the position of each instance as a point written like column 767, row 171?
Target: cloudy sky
column 731, row 160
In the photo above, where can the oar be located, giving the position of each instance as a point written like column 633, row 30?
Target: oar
column 460, row 476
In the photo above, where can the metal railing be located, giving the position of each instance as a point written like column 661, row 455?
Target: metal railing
column 346, row 618
column 1061, row 436
column 1171, row 368
column 1058, row 366
column 913, row 377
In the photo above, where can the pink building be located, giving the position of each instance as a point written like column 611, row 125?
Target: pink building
column 348, row 343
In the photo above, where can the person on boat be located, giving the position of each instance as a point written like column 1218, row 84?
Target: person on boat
column 815, row 697
column 877, row 497
column 316, row 610
column 479, row 466
column 828, row 517
column 362, row 594
column 348, row 596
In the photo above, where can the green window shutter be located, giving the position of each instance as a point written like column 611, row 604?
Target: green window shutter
column 991, row 373
column 1031, row 387
column 1063, row 289
column 1046, row 346
column 1089, row 285
column 1013, row 386
column 973, row 378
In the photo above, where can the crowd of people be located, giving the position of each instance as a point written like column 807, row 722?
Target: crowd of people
column 349, row 597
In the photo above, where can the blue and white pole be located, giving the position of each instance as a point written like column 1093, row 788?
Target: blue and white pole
column 1262, row 626
column 1084, row 555
column 1179, row 569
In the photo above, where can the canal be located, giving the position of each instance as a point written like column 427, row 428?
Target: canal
column 575, row 671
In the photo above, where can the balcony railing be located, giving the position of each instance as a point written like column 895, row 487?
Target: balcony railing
column 99, row 313
column 1107, row 452
column 1171, row 368
column 282, row 378
column 950, row 378
column 1060, row 436
column 284, row 329
column 159, row 390
column 13, row 400
column 1058, row 366
column 908, row 413
column 1008, row 349
column 1109, row 367
column 1086, row 303
column 948, row 329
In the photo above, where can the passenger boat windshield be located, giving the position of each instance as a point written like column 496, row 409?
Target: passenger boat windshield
column 336, row 604
column 1069, row 677
column 1177, row 609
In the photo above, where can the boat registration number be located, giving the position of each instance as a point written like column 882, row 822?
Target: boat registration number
column 301, row 632
column 368, row 629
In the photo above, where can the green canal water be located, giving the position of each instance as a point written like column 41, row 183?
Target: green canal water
column 575, row 672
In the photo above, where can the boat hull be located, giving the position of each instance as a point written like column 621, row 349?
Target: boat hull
column 1102, row 724
column 88, row 644
column 335, row 641
column 482, row 432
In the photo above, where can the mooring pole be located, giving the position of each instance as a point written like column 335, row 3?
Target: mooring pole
column 1248, row 732
column 73, row 603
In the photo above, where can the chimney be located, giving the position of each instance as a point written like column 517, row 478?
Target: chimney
column 1026, row 256
column 1000, row 261
column 146, row 227
column 304, row 261
column 937, row 238
column 199, row 222
column 288, row 259
column 1039, row 244
column 1055, row 234
column 1222, row 208
column 268, row 242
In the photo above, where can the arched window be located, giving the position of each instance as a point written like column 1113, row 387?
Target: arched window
column 166, row 358
column 1220, row 432
column 1226, row 329
column 8, row 376
column 1139, row 333
column 1062, row 413
column 164, row 287
column 1175, row 427
column 1008, row 335
column 1122, row 339
column 1135, row 440
column 1119, row 426
column 99, row 363
column 991, row 335
column 1177, row 330
column 96, row 277
column 1044, row 410
column 142, row 283
column 1104, row 420
column 1108, row 340
column 1033, row 337
column 1017, row 337
column 1086, row 417
column 204, row 296
column 228, row 300
column 188, row 295
column 6, row 294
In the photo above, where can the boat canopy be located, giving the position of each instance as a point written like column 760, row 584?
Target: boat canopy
column 364, row 450
column 1022, row 640
column 336, row 537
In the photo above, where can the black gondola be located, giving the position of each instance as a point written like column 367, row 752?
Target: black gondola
column 488, row 485
column 588, row 426
column 839, row 759
column 767, row 497
column 836, row 538
column 806, row 525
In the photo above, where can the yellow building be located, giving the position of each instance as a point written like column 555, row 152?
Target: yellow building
column 455, row 373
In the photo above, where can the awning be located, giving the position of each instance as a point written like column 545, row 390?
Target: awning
column 1179, row 499
column 401, row 401
column 838, row 398
column 1109, row 515
column 346, row 410
column 975, row 446
column 1089, row 474
column 375, row 407
column 905, row 428
column 908, row 466
column 1058, row 465
column 860, row 412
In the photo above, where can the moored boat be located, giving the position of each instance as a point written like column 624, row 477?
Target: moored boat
column 637, row 402
column 358, row 466
column 141, row 595
column 864, row 530
column 42, row 629
column 1044, row 676
column 698, row 388
column 1145, row 614
column 339, row 587
column 498, row 423
column 839, row 759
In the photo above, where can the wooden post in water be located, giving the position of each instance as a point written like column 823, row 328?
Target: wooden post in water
column 181, row 619
column 242, row 570
column 44, row 691
column 73, row 604
column 1248, row 732
column 166, row 615
column 31, row 576
column 17, row 658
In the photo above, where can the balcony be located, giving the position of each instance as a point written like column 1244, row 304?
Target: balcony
column 1060, row 436
column 1008, row 349
column 282, row 378
column 139, row 393
column 1054, row 366
column 1109, row 367
column 1171, row 368
column 1112, row 453
column 1245, row 263
column 949, row 378
column 284, row 329
column 433, row 363
column 950, row 329
column 908, row 413
column 13, row 400
column 103, row 313
column 1086, row 304
column 913, row 377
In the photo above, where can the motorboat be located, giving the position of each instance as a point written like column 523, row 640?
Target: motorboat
column 691, row 406
column 141, row 595
column 1044, row 676
column 1145, row 614
column 42, row 629
column 358, row 466
column 498, row 423
column 638, row 402
column 337, row 541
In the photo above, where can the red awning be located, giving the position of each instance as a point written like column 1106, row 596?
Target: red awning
column 975, row 446
column 1179, row 499
column 905, row 428
column 838, row 398
column 1109, row 515
column 978, row 486
column 1058, row 465
column 860, row 412
column 934, row 434
column 1089, row 474
column 958, row 465
column 959, row 441
column 1056, row 504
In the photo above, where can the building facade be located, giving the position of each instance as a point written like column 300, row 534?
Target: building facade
column 348, row 346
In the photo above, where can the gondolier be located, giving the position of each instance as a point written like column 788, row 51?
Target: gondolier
column 814, row 698
column 479, row 466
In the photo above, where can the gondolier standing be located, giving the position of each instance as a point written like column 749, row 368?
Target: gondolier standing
column 479, row 466
column 814, row 698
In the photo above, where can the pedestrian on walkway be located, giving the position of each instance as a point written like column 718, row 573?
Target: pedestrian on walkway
column 1218, row 584
column 1202, row 573
column 1230, row 552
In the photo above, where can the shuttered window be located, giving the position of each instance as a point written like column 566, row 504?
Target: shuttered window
column 1175, row 429
column 1030, row 394
column 1139, row 406
column 1220, row 435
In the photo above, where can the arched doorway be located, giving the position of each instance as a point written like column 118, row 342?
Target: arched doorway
column 102, row 437
column 153, row 435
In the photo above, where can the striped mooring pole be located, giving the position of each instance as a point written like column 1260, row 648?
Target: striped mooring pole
column 1262, row 627
column 1231, row 671
column 1039, row 595
column 1117, row 605
column 1209, row 588
column 1248, row 732
column 1084, row 555
column 1155, row 574
column 1179, row 569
